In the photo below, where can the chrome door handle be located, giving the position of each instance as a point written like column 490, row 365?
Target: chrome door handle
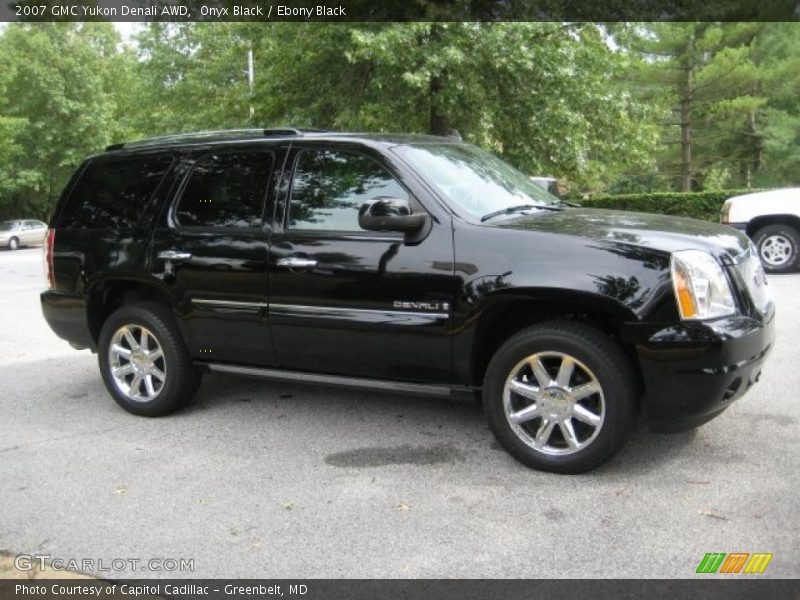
column 174, row 256
column 295, row 262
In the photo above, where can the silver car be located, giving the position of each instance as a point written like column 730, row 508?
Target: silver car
column 14, row 234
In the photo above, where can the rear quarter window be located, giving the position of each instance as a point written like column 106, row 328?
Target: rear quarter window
column 114, row 194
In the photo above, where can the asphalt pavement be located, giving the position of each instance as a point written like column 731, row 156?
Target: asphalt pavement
column 260, row 479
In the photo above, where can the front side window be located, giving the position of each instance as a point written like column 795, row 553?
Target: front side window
column 329, row 187
column 226, row 191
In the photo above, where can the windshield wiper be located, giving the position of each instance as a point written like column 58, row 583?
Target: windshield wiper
column 519, row 208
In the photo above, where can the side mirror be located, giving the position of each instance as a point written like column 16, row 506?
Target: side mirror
column 390, row 214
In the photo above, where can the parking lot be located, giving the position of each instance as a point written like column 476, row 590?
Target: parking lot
column 278, row 480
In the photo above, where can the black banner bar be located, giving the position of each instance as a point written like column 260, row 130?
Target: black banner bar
column 729, row 588
column 398, row 10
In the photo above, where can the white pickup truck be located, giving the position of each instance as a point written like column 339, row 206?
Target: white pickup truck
column 772, row 220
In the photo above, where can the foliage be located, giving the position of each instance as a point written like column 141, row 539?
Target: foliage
column 542, row 95
column 698, row 205
column 57, row 103
column 731, row 90
column 599, row 106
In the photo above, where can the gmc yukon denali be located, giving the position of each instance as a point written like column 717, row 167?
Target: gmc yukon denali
column 400, row 263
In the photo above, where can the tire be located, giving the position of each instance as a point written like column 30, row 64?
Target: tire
column 777, row 247
column 602, row 385
column 13, row 244
column 173, row 377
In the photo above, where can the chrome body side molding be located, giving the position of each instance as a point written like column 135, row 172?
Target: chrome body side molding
column 336, row 380
column 355, row 314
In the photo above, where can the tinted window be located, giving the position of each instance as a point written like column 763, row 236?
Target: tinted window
column 114, row 194
column 330, row 186
column 226, row 190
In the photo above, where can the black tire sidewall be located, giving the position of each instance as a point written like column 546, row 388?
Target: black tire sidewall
column 13, row 244
column 786, row 231
column 603, row 359
column 181, row 376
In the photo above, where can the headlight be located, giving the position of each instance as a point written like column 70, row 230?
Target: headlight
column 701, row 288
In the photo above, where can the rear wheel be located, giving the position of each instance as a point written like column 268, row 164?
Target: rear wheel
column 13, row 243
column 560, row 396
column 144, row 362
column 777, row 247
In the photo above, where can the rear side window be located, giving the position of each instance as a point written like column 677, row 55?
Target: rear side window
column 226, row 191
column 114, row 194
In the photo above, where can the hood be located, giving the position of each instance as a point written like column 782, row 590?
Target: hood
column 659, row 232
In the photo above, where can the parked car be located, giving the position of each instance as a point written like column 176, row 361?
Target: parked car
column 772, row 220
column 548, row 183
column 401, row 263
column 14, row 234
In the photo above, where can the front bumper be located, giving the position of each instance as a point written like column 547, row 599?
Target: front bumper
column 694, row 370
column 738, row 226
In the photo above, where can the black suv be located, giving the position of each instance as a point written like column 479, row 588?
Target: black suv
column 400, row 263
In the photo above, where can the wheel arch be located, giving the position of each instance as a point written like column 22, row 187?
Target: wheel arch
column 106, row 296
column 508, row 313
column 762, row 221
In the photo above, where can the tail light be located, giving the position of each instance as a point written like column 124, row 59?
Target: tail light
column 49, row 242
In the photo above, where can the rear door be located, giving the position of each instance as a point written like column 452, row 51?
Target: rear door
column 351, row 302
column 211, row 251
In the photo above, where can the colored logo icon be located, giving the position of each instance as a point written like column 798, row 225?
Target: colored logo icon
column 735, row 562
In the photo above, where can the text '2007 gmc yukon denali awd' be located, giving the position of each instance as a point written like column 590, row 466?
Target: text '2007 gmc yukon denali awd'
column 403, row 263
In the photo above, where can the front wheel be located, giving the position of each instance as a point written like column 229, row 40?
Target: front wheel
column 777, row 247
column 560, row 396
column 144, row 362
column 13, row 244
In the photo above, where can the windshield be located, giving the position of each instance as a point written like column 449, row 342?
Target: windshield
column 475, row 182
column 7, row 225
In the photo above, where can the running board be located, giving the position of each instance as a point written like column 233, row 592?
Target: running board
column 337, row 380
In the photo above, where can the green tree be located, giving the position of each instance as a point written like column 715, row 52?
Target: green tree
column 57, row 107
column 728, row 86
column 547, row 96
column 193, row 76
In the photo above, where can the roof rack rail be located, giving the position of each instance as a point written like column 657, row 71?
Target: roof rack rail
column 213, row 136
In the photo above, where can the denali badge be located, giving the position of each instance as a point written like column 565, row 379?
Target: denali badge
column 427, row 306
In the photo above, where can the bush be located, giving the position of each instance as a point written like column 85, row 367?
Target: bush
column 698, row 205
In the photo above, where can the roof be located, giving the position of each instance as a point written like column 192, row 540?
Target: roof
column 234, row 135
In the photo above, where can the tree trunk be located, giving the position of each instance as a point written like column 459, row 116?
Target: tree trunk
column 439, row 121
column 757, row 145
column 687, row 96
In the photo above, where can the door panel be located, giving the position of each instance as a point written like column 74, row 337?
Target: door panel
column 352, row 302
column 28, row 234
column 212, row 253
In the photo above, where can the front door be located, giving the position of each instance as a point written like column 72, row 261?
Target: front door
column 346, row 301
column 211, row 252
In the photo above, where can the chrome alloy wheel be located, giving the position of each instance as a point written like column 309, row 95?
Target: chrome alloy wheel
column 554, row 403
column 137, row 363
column 775, row 250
